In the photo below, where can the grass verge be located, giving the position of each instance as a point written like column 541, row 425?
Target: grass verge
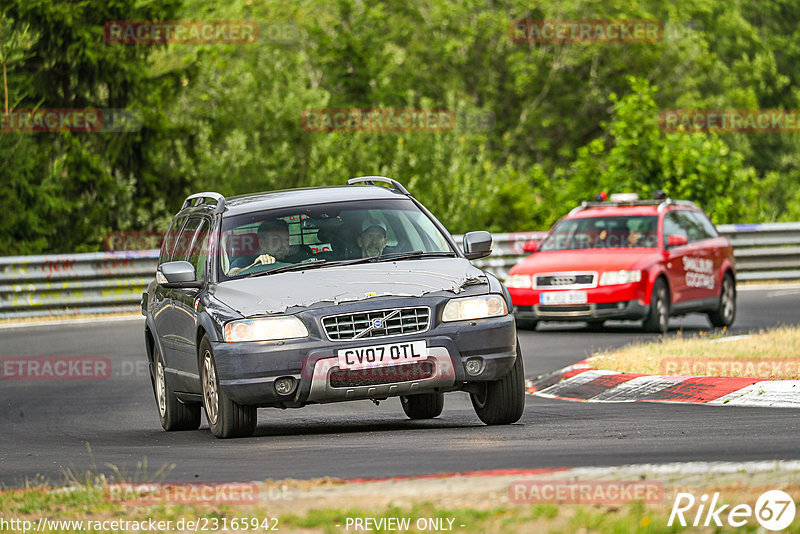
column 89, row 505
column 769, row 354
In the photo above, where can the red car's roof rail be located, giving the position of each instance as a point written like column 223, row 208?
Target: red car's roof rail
column 662, row 204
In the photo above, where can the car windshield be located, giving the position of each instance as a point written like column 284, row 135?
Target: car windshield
column 603, row 232
column 319, row 236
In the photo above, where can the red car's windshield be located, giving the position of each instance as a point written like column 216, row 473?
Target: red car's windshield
column 604, row 232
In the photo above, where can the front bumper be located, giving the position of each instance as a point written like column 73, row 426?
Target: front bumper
column 623, row 302
column 624, row 310
column 247, row 371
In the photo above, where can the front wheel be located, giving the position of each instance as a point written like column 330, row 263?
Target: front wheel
column 658, row 317
column 501, row 402
column 726, row 312
column 423, row 406
column 526, row 324
column 226, row 418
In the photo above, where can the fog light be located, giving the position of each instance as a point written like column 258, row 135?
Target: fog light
column 284, row 385
column 474, row 366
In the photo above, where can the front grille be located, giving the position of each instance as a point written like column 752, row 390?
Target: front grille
column 564, row 280
column 379, row 323
column 567, row 310
column 564, row 308
column 347, row 378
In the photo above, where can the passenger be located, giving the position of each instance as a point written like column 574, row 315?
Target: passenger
column 273, row 241
column 372, row 239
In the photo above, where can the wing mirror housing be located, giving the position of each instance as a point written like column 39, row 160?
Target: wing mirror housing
column 477, row 244
column 177, row 274
column 530, row 247
column 676, row 240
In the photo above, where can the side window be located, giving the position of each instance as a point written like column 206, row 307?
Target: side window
column 183, row 242
column 199, row 253
column 169, row 240
column 702, row 222
column 672, row 225
column 694, row 226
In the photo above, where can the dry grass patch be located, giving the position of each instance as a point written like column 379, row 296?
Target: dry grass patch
column 772, row 354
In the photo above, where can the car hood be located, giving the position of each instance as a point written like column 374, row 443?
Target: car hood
column 583, row 260
column 268, row 294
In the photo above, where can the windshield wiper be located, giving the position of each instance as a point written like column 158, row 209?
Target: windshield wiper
column 392, row 257
column 291, row 267
column 412, row 254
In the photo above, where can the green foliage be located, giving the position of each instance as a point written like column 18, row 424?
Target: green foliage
column 570, row 119
column 640, row 157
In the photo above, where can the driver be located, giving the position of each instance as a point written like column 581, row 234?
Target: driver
column 273, row 241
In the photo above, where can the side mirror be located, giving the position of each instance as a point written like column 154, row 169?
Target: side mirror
column 477, row 244
column 676, row 240
column 177, row 274
column 530, row 246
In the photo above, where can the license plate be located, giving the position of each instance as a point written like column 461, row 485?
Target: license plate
column 563, row 297
column 382, row 355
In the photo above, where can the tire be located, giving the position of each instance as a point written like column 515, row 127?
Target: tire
column 423, row 406
column 658, row 317
column 595, row 326
column 501, row 402
column 173, row 414
column 526, row 324
column 226, row 418
column 725, row 314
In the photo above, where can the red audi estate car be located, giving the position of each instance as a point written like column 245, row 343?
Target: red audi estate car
column 627, row 259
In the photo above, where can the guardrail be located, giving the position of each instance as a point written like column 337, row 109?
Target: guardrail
column 74, row 284
column 108, row 282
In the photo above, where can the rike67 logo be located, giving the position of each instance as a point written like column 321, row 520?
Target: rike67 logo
column 774, row 510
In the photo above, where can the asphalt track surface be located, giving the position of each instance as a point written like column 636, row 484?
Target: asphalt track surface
column 48, row 428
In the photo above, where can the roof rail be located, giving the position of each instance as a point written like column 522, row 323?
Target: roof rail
column 220, row 200
column 669, row 202
column 662, row 204
column 370, row 180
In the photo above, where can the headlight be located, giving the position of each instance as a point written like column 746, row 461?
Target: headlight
column 265, row 329
column 519, row 281
column 467, row 308
column 609, row 278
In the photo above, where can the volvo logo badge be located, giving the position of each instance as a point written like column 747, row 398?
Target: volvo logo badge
column 377, row 323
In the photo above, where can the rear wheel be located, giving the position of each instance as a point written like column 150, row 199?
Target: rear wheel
column 173, row 414
column 226, row 418
column 501, row 402
column 423, row 406
column 658, row 317
column 726, row 312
